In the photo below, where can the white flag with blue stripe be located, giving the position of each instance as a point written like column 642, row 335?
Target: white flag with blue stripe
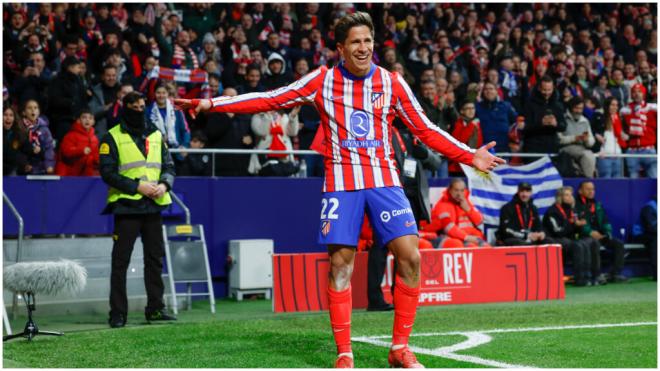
column 490, row 192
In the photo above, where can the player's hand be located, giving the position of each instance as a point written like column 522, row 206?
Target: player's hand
column 193, row 106
column 486, row 161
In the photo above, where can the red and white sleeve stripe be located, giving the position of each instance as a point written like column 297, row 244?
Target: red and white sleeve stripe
column 297, row 93
column 413, row 116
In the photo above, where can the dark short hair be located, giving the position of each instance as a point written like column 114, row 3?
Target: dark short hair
column 574, row 102
column 199, row 135
column 253, row 67
column 352, row 20
column 547, row 78
column 83, row 111
column 132, row 97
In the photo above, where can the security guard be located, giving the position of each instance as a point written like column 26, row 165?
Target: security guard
column 135, row 163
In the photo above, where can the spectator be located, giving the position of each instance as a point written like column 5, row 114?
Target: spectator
column 210, row 50
column 273, row 45
column 467, row 129
column 274, row 130
column 171, row 123
column 544, row 118
column 34, row 80
column 178, row 54
column 495, row 117
column 610, row 140
column 617, row 87
column 252, row 82
column 577, row 138
column 66, row 97
column 563, row 226
column 640, row 122
column 599, row 228
column 41, row 149
column 227, row 131
column 79, row 151
column 520, row 223
column 456, row 220
column 435, row 108
column 601, row 91
column 196, row 164
column 276, row 73
column 103, row 99
column 14, row 142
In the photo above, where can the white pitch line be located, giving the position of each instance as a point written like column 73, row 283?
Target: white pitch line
column 528, row 329
column 477, row 338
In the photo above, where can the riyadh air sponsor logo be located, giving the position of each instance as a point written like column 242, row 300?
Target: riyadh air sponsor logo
column 369, row 143
column 385, row 216
column 359, row 124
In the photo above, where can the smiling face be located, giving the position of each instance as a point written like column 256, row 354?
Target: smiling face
column 357, row 50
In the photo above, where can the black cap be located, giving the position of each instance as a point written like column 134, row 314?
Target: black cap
column 524, row 186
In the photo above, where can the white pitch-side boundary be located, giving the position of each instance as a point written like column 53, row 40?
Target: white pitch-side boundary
column 480, row 337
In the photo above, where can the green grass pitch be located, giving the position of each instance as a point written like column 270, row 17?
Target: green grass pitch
column 248, row 334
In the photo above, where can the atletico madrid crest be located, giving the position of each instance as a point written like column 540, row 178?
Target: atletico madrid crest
column 378, row 100
column 325, row 227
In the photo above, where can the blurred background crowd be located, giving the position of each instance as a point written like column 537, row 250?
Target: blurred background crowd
column 577, row 80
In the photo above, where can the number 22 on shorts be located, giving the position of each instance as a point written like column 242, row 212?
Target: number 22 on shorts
column 334, row 204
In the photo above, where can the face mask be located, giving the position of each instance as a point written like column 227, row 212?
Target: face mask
column 134, row 119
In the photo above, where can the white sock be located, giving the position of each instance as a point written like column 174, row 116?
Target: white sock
column 398, row 346
column 345, row 354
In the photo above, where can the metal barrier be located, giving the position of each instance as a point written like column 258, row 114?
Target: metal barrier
column 185, row 208
column 232, row 151
column 19, row 243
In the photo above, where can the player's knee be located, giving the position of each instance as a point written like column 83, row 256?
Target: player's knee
column 341, row 274
column 411, row 259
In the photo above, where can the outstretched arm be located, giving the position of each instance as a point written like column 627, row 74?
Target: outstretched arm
column 295, row 94
column 413, row 116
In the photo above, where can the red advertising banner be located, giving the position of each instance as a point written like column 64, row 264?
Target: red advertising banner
column 448, row 276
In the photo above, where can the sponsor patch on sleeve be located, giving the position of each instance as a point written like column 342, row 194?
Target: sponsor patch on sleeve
column 104, row 149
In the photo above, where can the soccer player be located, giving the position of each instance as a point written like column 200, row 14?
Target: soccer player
column 357, row 102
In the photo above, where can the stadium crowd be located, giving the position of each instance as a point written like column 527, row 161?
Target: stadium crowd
column 578, row 80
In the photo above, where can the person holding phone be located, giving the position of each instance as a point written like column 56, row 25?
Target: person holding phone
column 545, row 118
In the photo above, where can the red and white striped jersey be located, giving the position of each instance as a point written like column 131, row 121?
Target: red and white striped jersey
column 356, row 117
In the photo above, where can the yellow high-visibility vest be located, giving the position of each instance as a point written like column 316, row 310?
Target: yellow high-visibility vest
column 134, row 165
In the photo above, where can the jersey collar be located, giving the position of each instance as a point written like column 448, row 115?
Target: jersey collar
column 349, row 75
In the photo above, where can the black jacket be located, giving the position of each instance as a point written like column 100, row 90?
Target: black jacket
column 540, row 138
column 109, row 168
column 559, row 224
column 510, row 225
column 66, row 96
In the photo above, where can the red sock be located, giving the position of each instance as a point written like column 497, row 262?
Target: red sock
column 405, row 308
column 341, row 306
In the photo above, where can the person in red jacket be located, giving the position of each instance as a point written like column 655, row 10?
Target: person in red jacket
column 640, row 122
column 79, row 150
column 456, row 219
column 467, row 129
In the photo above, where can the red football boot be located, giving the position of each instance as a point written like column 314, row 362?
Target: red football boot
column 403, row 358
column 344, row 361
